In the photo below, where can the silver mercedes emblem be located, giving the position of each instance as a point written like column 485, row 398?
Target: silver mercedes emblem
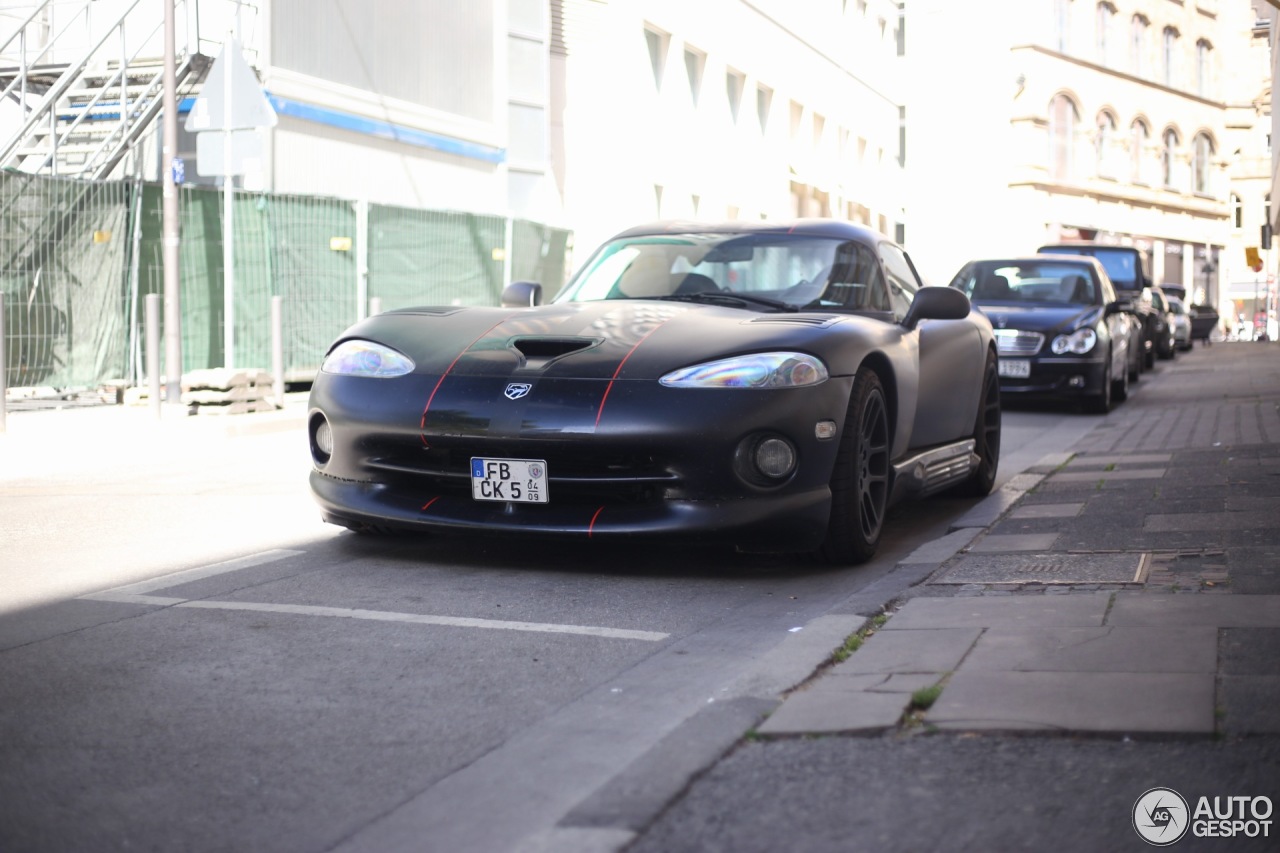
column 516, row 390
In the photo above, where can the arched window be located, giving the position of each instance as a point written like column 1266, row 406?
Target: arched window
column 1062, row 24
column 1168, row 152
column 1106, row 14
column 1204, row 68
column 1139, row 153
column 1105, row 146
column 1169, row 56
column 1063, row 120
column 1202, row 163
column 1138, row 47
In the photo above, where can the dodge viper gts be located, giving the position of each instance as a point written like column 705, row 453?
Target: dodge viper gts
column 774, row 386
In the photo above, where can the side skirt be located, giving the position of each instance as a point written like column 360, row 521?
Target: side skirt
column 934, row 470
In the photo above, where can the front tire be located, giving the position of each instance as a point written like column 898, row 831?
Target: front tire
column 860, row 481
column 1100, row 403
column 986, row 434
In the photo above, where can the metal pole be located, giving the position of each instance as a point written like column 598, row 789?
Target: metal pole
column 375, row 305
column 153, row 351
column 172, row 309
column 228, row 221
column 362, row 259
column 277, row 349
column 3, row 378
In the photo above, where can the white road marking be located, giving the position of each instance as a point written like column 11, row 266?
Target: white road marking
column 424, row 619
column 137, row 593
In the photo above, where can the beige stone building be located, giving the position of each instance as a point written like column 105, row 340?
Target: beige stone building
column 1124, row 121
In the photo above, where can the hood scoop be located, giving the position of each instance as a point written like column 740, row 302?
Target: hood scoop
column 540, row 351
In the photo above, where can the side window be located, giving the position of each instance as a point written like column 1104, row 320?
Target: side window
column 856, row 280
column 903, row 282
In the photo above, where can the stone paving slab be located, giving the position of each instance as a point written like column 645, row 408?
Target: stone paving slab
column 1095, row 476
column 1000, row 543
column 1086, row 461
column 1085, row 610
column 1107, row 649
column 832, row 706
column 1250, row 704
column 1077, row 701
column 1182, row 521
column 1217, row 611
column 931, row 650
column 1066, row 510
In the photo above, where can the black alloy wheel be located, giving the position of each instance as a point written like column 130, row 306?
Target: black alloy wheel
column 860, row 481
column 986, row 434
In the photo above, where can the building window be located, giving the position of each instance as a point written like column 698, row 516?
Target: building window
column 1202, row 164
column 1106, row 146
column 1138, row 48
column 764, row 102
column 1204, row 68
column 734, row 82
column 694, row 61
column 1168, row 150
column 1062, row 24
column 1063, row 119
column 1139, row 142
column 657, row 42
column 1169, row 58
column 1237, row 212
column 1106, row 14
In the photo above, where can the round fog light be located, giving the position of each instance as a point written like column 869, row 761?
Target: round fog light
column 321, row 439
column 775, row 457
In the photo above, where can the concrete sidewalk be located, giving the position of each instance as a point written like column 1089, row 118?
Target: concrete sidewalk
column 1132, row 587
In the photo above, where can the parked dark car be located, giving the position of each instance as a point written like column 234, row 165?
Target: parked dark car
column 771, row 385
column 1164, row 331
column 1060, row 328
column 1181, row 323
column 1129, row 268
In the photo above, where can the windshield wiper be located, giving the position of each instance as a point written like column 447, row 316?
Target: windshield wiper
column 737, row 300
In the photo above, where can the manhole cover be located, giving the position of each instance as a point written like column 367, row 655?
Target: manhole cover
column 1048, row 568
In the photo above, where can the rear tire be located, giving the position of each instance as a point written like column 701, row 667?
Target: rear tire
column 860, row 481
column 986, row 434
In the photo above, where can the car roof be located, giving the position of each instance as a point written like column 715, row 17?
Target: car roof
column 1045, row 258
column 833, row 228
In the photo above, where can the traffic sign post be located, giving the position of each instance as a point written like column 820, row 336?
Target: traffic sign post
column 226, row 119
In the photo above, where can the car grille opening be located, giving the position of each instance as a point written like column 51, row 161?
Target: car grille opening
column 1016, row 342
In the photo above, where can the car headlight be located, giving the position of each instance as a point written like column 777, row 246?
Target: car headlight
column 365, row 358
column 1079, row 342
column 760, row 370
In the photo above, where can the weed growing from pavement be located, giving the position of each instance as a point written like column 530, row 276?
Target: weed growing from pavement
column 1111, row 466
column 856, row 639
column 924, row 698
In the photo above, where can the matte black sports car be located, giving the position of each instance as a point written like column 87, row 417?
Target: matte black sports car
column 774, row 386
column 1061, row 329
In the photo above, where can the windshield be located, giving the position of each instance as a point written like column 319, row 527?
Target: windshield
column 1037, row 282
column 774, row 270
column 1121, row 264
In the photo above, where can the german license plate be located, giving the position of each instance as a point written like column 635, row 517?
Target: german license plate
column 1015, row 368
column 509, row 480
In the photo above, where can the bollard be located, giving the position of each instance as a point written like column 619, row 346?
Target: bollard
column 375, row 305
column 277, row 349
column 153, row 350
column 4, row 386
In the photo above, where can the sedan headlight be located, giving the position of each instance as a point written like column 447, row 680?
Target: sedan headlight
column 760, row 370
column 1079, row 342
column 365, row 358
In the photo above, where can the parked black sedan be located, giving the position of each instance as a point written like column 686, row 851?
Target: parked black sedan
column 771, row 385
column 1059, row 327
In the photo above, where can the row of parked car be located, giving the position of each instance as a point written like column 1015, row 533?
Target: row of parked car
column 1079, row 321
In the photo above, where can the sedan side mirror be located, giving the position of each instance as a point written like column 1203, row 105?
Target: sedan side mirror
column 522, row 294
column 936, row 303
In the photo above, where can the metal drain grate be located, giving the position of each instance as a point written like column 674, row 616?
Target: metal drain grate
column 1049, row 568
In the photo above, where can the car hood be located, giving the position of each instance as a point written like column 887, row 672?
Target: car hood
column 607, row 340
column 1039, row 318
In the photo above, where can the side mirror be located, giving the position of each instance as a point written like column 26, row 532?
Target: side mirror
column 936, row 303
column 522, row 294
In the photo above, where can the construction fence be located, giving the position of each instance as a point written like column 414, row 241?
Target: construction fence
column 77, row 259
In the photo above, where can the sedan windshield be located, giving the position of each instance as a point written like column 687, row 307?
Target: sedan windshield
column 774, row 271
column 1010, row 281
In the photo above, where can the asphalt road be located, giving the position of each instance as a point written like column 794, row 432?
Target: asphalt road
column 190, row 661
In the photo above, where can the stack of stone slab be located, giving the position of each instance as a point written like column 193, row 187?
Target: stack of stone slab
column 222, row 391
